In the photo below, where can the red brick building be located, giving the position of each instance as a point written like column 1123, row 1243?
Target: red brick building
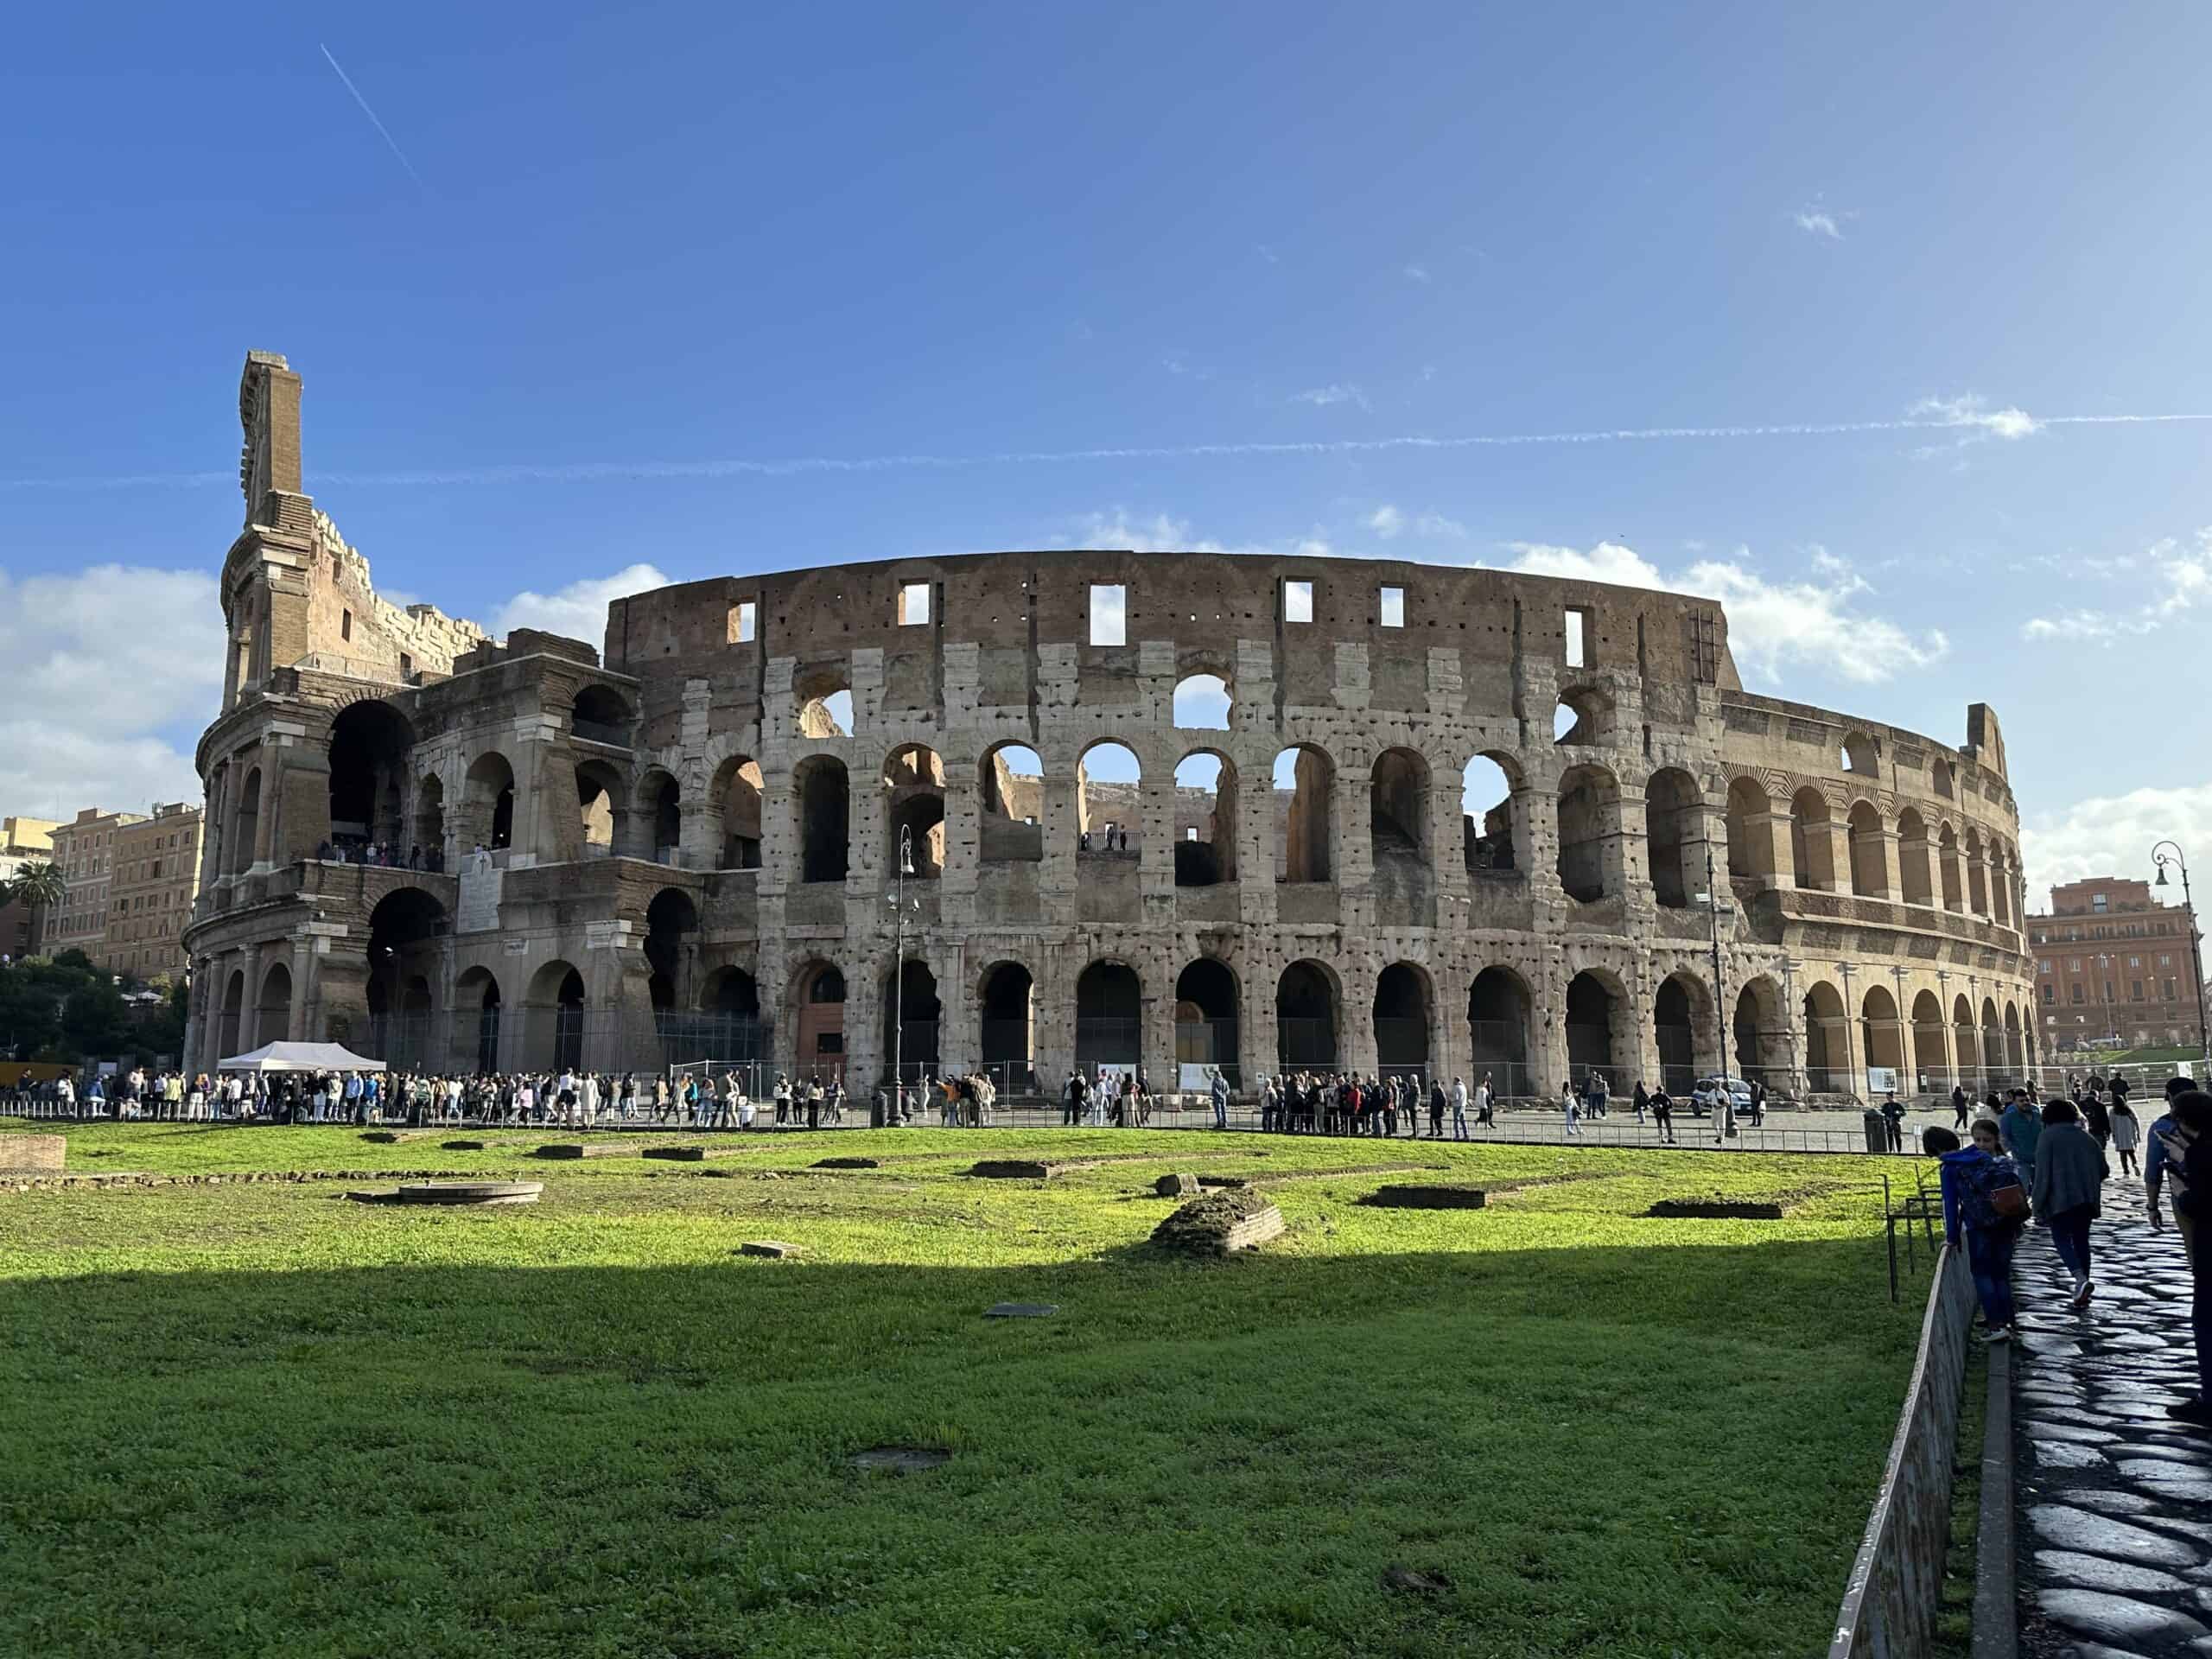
column 2113, row 966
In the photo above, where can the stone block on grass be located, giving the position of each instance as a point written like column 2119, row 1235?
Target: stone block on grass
column 589, row 1149
column 1220, row 1224
column 1426, row 1198
column 774, row 1248
column 26, row 1151
column 1178, row 1187
column 1711, row 1209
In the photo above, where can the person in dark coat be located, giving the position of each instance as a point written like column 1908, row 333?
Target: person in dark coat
column 2068, row 1190
column 2097, row 1120
column 2192, row 1115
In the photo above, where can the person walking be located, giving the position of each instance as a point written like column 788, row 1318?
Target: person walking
column 2164, row 1171
column 1219, row 1089
column 1436, row 1103
column 2191, row 1112
column 1961, row 1107
column 1985, row 1206
column 1459, row 1109
column 1485, row 1104
column 1662, row 1113
column 2068, row 1190
column 1641, row 1100
column 1893, row 1115
column 2097, row 1120
column 1566, row 1105
column 2126, row 1135
column 2019, row 1128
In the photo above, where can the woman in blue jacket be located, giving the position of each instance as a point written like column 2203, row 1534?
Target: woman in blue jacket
column 1975, row 1220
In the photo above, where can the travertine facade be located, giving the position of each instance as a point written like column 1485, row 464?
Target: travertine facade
column 688, row 838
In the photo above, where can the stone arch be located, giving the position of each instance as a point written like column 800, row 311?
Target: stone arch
column 671, row 947
column 1583, row 716
column 1763, row 1038
column 1108, row 797
column 2001, row 882
column 1916, row 875
column 1109, row 1015
column 820, row 802
column 1966, row 1044
column 1010, row 779
column 429, row 835
column 1597, row 1038
column 475, row 1025
column 370, row 747
column 273, row 1019
column 1488, row 784
column 1203, row 703
column 1397, row 801
column 913, row 1023
column 1828, row 1063
column 404, row 948
column 1209, row 1015
column 556, row 1009
column 1977, row 874
column 656, row 817
column 1881, row 1032
column 1930, row 1040
column 601, row 714
column 1681, row 1024
column 1005, row 995
column 488, row 802
column 1307, row 1000
column 1993, row 1036
column 1947, row 861
column 1405, row 1004
column 1305, row 814
column 738, row 790
column 1943, row 777
column 603, row 806
column 2016, row 1053
column 1206, row 818
column 1812, row 849
column 913, row 797
column 1498, row 1002
column 1870, row 872
column 1861, row 755
column 1589, row 833
column 1674, row 814
column 1750, row 838
column 818, row 1018
column 226, row 1040
column 823, row 694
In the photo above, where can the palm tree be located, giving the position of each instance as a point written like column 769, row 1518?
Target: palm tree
column 41, row 886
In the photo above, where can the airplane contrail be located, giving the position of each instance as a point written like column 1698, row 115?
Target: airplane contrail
column 372, row 114
column 582, row 471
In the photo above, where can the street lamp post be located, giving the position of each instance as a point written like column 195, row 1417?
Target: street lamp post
column 899, row 972
column 2195, row 960
column 1719, row 1001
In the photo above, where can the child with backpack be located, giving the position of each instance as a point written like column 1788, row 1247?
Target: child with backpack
column 1985, row 1207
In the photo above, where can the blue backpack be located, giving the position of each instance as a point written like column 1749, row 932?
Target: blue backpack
column 1977, row 1207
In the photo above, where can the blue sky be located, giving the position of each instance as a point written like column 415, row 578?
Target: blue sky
column 594, row 266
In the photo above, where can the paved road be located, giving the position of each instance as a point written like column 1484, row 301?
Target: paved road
column 2115, row 1498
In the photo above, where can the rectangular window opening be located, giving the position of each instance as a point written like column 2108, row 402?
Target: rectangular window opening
column 345, row 625
column 1109, row 613
column 1393, row 607
column 742, row 617
column 1576, row 624
column 913, row 604
column 1297, row 601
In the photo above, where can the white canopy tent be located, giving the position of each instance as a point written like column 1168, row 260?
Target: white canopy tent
column 300, row 1056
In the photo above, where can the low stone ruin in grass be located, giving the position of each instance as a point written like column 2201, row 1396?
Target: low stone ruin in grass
column 1426, row 1198
column 1713, row 1210
column 44, row 1153
column 456, row 1192
column 1220, row 1224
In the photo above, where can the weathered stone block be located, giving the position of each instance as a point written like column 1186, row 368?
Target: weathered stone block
column 34, row 1151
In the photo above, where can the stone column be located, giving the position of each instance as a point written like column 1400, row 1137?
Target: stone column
column 1881, row 849
column 1835, row 836
column 250, row 1037
column 1628, row 865
column 1356, row 1046
column 1352, row 861
column 302, row 954
column 1768, row 832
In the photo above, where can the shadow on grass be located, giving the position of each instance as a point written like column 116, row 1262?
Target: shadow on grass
column 1607, row 1451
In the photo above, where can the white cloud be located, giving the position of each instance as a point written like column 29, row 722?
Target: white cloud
column 2183, row 572
column 1322, row 397
column 1163, row 534
column 2111, row 836
column 1389, row 523
column 1202, row 703
column 109, row 669
column 1975, row 419
column 579, row 610
column 1419, row 273
column 1811, row 621
column 1386, row 521
column 1267, row 253
column 1816, row 222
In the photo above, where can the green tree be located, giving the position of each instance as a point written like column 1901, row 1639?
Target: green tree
column 96, row 1022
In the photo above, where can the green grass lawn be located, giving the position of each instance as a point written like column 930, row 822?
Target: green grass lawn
column 257, row 1418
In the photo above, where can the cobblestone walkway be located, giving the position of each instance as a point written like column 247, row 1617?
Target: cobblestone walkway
column 2115, row 1498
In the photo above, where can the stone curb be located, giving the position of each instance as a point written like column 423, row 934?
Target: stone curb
column 1996, row 1549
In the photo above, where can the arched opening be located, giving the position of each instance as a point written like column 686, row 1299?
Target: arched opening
column 1993, row 1037
column 248, row 834
column 600, row 715
column 568, row 1022
column 1941, row 778
column 1881, row 1039
column 1869, row 863
column 273, row 1020
column 489, row 801
column 1966, row 1044
column 370, row 743
column 1206, row 1002
column 1497, row 1032
column 402, row 950
column 913, row 794
column 825, row 701
column 671, row 946
column 601, row 804
column 1008, row 1028
column 1108, row 781
column 227, row 1026
column 1012, row 795
column 818, row 1048
column 1916, row 882
column 1589, row 833
column 431, row 823
column 1486, row 792
column 1205, row 820
column 1397, row 802
column 1306, row 1019
column 731, row 993
column 1304, row 819
column 1583, row 716
column 1109, row 1017
column 1930, row 1051
column 1202, row 703
column 1673, row 819
column 819, row 788
column 1946, row 859
column 476, row 1021
column 2015, row 1051
column 1999, row 882
column 1861, row 754
column 738, row 786
column 1681, row 1021
column 1828, row 1064
column 1812, row 851
column 911, row 1015
column 1762, row 1034
column 660, row 814
column 1977, row 874
column 1750, row 838
column 1595, row 1010
column 1401, row 1022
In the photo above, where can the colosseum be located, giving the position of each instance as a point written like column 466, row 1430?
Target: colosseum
column 1166, row 809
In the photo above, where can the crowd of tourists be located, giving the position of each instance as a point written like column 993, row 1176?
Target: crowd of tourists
column 2029, row 1161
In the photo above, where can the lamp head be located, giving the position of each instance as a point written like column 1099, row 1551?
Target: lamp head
column 2161, row 881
